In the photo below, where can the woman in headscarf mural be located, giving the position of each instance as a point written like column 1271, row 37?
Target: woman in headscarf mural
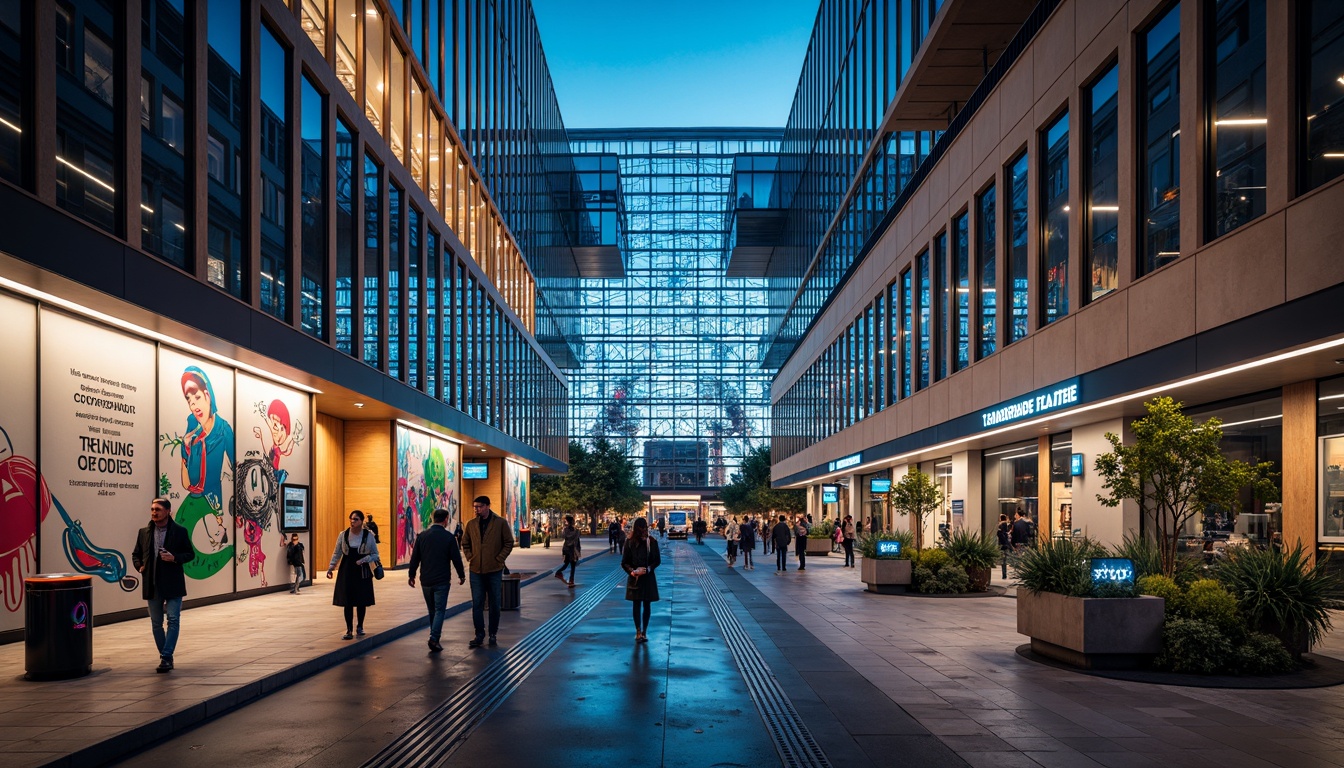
column 208, row 442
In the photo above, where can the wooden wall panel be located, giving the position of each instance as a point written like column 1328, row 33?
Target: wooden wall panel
column 369, row 476
column 492, row 486
column 1045, row 506
column 1299, row 465
column 328, row 489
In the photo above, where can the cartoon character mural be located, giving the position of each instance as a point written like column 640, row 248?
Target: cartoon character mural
column 426, row 480
column 207, row 460
column 263, row 467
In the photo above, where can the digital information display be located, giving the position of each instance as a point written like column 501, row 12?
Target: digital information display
column 1076, row 465
column 888, row 549
column 475, row 471
column 1112, row 570
column 830, row 494
column 294, row 508
column 879, row 485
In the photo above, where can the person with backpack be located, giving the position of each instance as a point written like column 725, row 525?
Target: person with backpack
column 357, row 553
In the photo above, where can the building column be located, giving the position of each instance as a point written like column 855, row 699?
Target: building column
column 1299, row 466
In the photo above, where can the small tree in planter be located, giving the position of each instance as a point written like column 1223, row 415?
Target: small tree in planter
column 886, row 575
column 916, row 495
column 1174, row 470
column 977, row 553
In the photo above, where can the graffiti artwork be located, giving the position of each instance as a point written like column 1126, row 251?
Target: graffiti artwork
column 207, row 458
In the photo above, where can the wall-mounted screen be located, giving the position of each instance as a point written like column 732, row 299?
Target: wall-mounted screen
column 294, row 508
column 879, row 485
column 475, row 470
column 830, row 494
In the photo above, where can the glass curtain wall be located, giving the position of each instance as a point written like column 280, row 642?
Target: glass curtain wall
column 88, row 88
column 13, row 86
column 1017, row 224
column 1102, row 166
column 1239, row 105
column 163, row 131
column 1160, row 142
column 670, row 357
column 225, row 148
column 1322, row 119
column 1055, row 224
column 986, row 244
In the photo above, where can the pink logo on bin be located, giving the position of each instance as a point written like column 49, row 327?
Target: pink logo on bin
column 80, row 615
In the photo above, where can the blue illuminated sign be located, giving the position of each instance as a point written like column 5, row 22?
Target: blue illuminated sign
column 830, row 494
column 475, row 471
column 845, row 463
column 1076, row 465
column 888, row 549
column 1112, row 570
column 1062, row 395
column 879, row 485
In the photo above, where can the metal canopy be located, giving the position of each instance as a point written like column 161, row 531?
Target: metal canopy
column 756, row 234
column 966, row 39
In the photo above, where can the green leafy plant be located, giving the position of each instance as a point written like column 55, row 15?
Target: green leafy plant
column 868, row 543
column 1209, row 601
column 948, row 579
column 916, row 495
column 1283, row 594
column 1261, row 654
column 1193, row 647
column 823, row 530
column 1058, row 565
column 1174, row 470
column 1161, row 586
column 1146, row 555
column 932, row 559
column 973, row 550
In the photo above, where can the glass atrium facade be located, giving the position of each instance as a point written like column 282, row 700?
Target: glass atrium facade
column 670, row 368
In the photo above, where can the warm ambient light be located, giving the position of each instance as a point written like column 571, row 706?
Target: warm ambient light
column 1105, row 209
column 1332, row 154
column 10, row 125
column 1243, row 121
column 359, row 405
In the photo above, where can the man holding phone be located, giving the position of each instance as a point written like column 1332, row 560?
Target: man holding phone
column 160, row 551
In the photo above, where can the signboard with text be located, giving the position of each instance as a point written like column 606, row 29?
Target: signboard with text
column 830, row 494
column 1057, row 397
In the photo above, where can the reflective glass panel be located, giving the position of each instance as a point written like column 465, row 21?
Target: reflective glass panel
column 227, row 120
column 986, row 247
column 163, row 131
column 1239, row 114
column 1160, row 148
column 1323, row 47
column 1018, row 279
column 1103, row 191
column 13, row 84
column 88, row 170
column 346, row 237
column 274, row 187
column 1055, row 226
column 961, row 286
column 313, row 209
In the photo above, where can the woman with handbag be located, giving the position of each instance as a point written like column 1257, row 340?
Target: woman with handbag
column 357, row 552
column 571, row 550
column 641, row 588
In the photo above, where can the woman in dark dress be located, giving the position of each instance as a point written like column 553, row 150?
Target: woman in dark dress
column 357, row 552
column 641, row 588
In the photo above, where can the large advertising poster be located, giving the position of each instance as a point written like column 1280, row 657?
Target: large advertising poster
column 197, row 456
column 272, row 450
column 515, row 495
column 97, row 411
column 23, row 496
column 427, row 478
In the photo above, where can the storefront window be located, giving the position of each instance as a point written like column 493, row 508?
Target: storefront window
column 1322, row 46
column 1239, row 107
column 1252, row 432
column 1330, row 428
column 1102, row 163
column 1061, row 487
column 1160, row 151
column 944, row 519
column 1011, row 484
column 876, row 489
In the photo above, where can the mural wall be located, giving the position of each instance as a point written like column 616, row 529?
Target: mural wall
column 123, row 420
column 515, row 495
column 428, row 477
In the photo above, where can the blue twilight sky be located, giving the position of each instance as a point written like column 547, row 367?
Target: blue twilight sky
column 719, row 63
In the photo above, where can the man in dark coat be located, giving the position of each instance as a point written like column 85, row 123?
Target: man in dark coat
column 780, row 537
column 800, row 531
column 434, row 555
column 1021, row 532
column 161, row 549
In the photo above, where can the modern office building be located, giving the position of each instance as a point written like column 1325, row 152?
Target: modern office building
column 1123, row 200
column 274, row 261
column 669, row 367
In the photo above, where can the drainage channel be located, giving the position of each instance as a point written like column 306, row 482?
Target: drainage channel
column 793, row 740
column 434, row 737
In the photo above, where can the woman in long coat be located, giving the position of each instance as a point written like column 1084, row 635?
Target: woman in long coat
column 640, row 561
column 357, row 555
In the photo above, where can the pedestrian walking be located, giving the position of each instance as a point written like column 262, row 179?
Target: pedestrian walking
column 620, row 536
column 662, row 527
column 1020, row 533
column 1005, row 540
column 837, row 537
column 357, row 553
column 849, row 535
column 747, row 542
column 161, row 549
column 780, row 536
column 546, row 535
column 612, row 527
column 486, row 543
column 732, row 533
column 294, row 556
column 434, row 556
column 767, row 535
column 800, row 529
column 640, row 561
column 571, row 550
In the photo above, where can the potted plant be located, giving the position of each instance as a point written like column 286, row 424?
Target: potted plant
column 884, row 573
column 1282, row 594
column 977, row 553
column 819, row 538
column 1074, row 620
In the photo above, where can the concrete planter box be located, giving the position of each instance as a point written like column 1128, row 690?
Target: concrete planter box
column 885, row 577
column 1091, row 632
column 818, row 547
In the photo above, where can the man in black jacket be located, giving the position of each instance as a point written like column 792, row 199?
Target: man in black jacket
column 780, row 537
column 161, row 548
column 1020, row 536
column 435, row 554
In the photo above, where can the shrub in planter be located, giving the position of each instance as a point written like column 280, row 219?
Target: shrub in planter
column 977, row 553
column 932, row 559
column 1261, row 654
column 823, row 530
column 1282, row 594
column 1193, row 646
column 1059, row 566
column 1161, row 586
column 1147, row 559
column 935, row 573
column 1208, row 601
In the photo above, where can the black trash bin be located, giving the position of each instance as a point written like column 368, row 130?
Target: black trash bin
column 58, row 628
column 511, row 593
column 524, row 539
